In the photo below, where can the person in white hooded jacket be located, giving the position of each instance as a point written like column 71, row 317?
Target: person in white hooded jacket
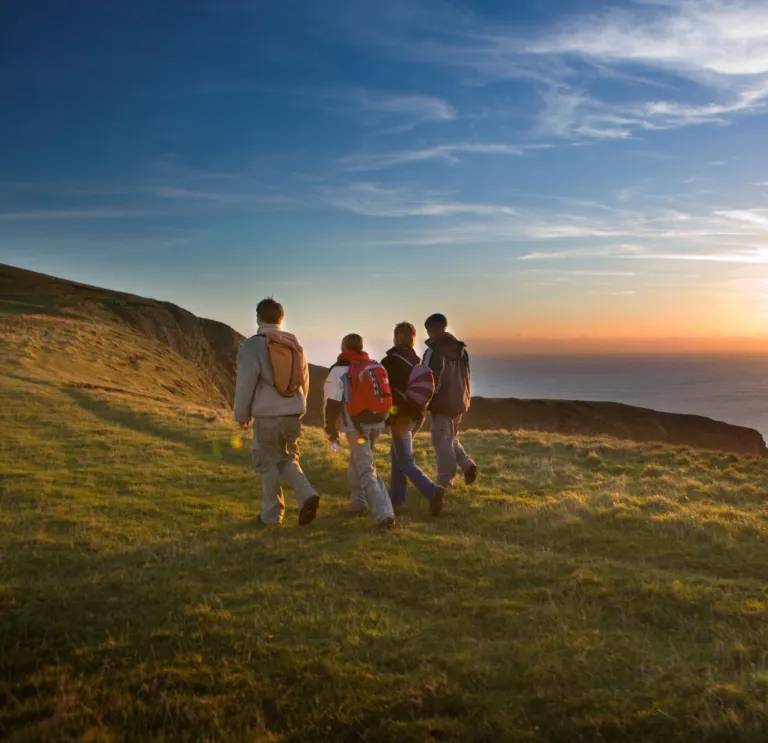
column 276, row 418
column 367, row 487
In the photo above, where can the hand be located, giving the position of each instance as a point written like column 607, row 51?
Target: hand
column 244, row 426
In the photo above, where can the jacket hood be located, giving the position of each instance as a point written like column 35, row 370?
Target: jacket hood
column 405, row 352
column 349, row 357
column 448, row 345
column 280, row 336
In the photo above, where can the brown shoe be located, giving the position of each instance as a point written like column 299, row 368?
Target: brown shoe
column 309, row 511
column 388, row 523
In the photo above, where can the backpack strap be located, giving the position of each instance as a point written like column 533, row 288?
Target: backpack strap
column 428, row 354
column 362, row 366
column 402, row 358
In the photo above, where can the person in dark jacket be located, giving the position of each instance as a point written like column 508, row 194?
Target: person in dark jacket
column 448, row 359
column 406, row 419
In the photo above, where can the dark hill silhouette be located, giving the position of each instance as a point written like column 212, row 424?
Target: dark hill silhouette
column 92, row 337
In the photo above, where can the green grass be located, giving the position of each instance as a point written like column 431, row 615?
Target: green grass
column 585, row 590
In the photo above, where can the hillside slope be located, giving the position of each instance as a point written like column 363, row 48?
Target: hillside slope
column 90, row 337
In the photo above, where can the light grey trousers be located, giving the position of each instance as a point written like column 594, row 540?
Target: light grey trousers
column 276, row 455
column 367, row 487
column 449, row 452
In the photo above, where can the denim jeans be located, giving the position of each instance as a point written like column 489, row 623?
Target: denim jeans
column 404, row 466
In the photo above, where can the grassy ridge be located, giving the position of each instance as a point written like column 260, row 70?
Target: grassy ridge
column 587, row 590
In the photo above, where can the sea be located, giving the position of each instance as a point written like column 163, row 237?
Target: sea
column 733, row 389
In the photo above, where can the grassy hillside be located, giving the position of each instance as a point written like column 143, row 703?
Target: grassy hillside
column 94, row 338
column 587, row 589
column 87, row 337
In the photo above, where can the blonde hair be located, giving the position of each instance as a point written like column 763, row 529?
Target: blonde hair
column 405, row 334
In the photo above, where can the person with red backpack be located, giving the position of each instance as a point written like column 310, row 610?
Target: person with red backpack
column 272, row 388
column 358, row 400
column 413, row 386
column 448, row 359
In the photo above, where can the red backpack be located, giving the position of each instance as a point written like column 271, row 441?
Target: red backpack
column 370, row 396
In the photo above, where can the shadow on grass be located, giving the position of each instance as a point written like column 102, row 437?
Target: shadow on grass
column 247, row 596
column 147, row 424
column 249, row 621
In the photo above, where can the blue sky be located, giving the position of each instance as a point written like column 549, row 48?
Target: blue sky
column 534, row 170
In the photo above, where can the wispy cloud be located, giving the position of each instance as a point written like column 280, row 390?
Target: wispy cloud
column 713, row 53
column 375, row 200
column 758, row 218
column 224, row 197
column 691, row 37
column 753, row 255
column 604, row 251
column 33, row 215
column 404, row 110
column 446, row 152
column 587, row 272
column 397, row 111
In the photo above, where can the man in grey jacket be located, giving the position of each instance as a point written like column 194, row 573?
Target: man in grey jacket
column 448, row 359
column 276, row 418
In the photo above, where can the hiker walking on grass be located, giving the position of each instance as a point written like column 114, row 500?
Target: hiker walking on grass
column 272, row 389
column 357, row 402
column 448, row 359
column 413, row 386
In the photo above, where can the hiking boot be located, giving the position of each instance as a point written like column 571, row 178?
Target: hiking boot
column 388, row 523
column 471, row 474
column 309, row 511
column 436, row 502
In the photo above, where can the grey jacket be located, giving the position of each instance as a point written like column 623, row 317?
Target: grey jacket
column 255, row 393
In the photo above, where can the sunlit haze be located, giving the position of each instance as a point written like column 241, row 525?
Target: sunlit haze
column 554, row 177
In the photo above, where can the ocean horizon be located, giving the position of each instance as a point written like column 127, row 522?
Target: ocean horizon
column 729, row 388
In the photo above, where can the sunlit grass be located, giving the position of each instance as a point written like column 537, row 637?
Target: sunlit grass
column 584, row 590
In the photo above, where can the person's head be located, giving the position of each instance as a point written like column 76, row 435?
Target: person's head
column 405, row 335
column 269, row 312
column 352, row 342
column 436, row 324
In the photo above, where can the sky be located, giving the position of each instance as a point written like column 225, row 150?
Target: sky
column 548, row 174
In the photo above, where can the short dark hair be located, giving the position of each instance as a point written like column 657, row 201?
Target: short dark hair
column 270, row 311
column 436, row 322
column 405, row 334
column 352, row 342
